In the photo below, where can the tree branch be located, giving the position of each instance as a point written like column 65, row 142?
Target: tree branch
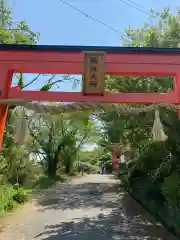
column 32, row 81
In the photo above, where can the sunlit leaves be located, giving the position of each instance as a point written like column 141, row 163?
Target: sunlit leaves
column 19, row 33
column 21, row 81
column 164, row 32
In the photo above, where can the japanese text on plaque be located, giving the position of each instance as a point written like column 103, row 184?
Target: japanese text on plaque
column 93, row 78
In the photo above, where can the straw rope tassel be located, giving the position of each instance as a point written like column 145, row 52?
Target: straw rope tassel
column 21, row 128
column 157, row 130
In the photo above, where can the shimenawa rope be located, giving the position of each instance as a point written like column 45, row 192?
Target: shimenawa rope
column 157, row 130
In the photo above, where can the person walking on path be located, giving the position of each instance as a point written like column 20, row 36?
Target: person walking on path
column 102, row 169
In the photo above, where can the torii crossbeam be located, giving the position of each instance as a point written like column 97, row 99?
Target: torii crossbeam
column 70, row 60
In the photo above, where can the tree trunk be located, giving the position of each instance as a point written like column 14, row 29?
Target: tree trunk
column 68, row 167
column 52, row 167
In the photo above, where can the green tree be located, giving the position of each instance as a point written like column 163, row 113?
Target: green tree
column 20, row 33
column 156, row 165
column 57, row 140
column 165, row 32
column 89, row 159
column 15, row 161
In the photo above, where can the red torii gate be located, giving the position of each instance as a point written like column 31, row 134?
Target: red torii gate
column 69, row 60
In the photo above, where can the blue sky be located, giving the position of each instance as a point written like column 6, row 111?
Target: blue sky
column 59, row 24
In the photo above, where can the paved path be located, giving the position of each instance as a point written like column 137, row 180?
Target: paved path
column 86, row 209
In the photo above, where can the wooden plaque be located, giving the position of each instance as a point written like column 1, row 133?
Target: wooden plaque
column 94, row 73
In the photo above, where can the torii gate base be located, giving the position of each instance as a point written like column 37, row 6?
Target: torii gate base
column 69, row 60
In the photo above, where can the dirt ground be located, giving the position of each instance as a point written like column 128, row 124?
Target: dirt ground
column 85, row 208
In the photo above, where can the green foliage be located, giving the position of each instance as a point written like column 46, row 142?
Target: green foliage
column 153, row 175
column 171, row 189
column 21, row 81
column 44, row 182
column 19, row 33
column 58, row 140
column 137, row 129
column 47, row 87
column 10, row 197
column 154, row 179
column 89, row 160
column 107, row 159
column 19, row 195
column 6, row 200
column 16, row 165
column 53, row 144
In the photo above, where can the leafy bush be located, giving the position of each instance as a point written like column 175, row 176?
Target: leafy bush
column 9, row 205
column 10, row 197
column 44, row 182
column 19, row 195
column 154, row 180
column 6, row 200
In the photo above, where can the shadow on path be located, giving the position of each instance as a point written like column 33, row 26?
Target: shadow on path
column 112, row 226
column 114, row 216
column 84, row 195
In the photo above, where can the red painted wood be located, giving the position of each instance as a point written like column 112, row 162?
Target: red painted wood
column 115, row 161
column 5, row 83
column 116, row 69
column 72, row 63
column 27, row 56
column 140, row 98
column 177, row 89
